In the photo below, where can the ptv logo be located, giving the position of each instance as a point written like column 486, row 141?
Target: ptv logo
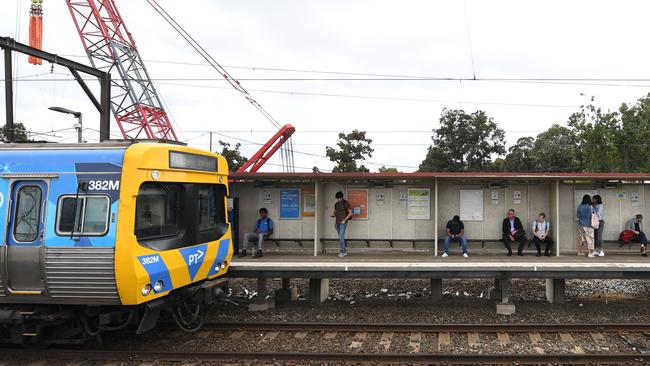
column 194, row 257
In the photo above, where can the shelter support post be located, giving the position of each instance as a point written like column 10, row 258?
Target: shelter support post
column 318, row 216
column 557, row 217
column 435, row 219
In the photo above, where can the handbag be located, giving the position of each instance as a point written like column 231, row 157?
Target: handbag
column 595, row 220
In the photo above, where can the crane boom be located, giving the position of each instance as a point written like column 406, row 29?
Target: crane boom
column 135, row 102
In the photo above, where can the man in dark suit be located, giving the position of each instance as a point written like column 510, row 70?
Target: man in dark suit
column 513, row 231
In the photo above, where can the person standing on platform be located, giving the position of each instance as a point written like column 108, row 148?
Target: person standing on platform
column 455, row 232
column 598, row 233
column 636, row 225
column 342, row 214
column 513, row 231
column 541, row 235
column 584, row 212
column 263, row 229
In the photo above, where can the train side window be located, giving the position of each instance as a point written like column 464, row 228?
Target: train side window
column 157, row 210
column 28, row 213
column 85, row 215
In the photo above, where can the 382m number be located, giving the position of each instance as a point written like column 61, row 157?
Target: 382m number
column 104, row 185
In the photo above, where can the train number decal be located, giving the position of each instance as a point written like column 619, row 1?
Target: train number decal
column 104, row 185
column 150, row 259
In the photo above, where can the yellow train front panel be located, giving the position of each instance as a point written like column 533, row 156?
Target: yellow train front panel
column 146, row 272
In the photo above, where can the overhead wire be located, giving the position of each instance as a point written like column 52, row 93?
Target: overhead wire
column 220, row 69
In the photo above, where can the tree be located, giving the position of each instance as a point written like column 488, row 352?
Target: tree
column 557, row 150
column 352, row 150
column 233, row 156
column 464, row 142
column 384, row 169
column 20, row 133
column 633, row 136
column 521, row 157
column 598, row 134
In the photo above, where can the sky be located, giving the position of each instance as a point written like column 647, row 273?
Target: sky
column 477, row 41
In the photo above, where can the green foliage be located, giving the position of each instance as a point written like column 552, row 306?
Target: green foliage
column 520, row 156
column 20, row 133
column 464, row 142
column 557, row 150
column 352, row 149
column 233, row 156
column 384, row 169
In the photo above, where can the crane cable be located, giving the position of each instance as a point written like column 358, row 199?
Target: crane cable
column 286, row 149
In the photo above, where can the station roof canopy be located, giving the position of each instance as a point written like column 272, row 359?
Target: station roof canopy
column 429, row 176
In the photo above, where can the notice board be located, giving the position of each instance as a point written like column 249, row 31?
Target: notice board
column 471, row 204
column 419, row 204
column 358, row 199
column 308, row 202
column 290, row 204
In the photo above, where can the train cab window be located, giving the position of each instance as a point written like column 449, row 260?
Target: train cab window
column 28, row 213
column 157, row 210
column 176, row 215
column 83, row 215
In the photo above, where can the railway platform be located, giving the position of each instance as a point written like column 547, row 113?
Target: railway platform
column 320, row 269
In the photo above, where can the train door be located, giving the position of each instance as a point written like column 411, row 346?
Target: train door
column 25, row 237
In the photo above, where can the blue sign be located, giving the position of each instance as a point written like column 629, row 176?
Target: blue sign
column 194, row 257
column 290, row 204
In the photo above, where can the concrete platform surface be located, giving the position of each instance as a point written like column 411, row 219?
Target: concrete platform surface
column 420, row 265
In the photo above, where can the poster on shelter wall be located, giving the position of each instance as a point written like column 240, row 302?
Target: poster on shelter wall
column 290, row 204
column 358, row 199
column 471, row 204
column 419, row 204
column 308, row 202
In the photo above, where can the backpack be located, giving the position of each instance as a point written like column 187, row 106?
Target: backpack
column 626, row 236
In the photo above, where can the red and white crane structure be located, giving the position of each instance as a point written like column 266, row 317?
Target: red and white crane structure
column 135, row 103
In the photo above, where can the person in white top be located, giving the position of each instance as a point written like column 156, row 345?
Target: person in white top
column 598, row 233
column 541, row 234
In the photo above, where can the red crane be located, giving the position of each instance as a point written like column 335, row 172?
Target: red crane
column 134, row 100
column 264, row 154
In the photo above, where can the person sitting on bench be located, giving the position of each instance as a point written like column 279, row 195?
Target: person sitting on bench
column 455, row 232
column 541, row 235
column 263, row 228
column 636, row 225
column 513, row 231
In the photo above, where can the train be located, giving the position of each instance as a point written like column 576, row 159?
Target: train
column 106, row 236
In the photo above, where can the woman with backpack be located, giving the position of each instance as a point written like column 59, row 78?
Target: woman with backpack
column 585, row 228
column 598, row 233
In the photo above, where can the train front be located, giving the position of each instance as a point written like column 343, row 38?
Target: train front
column 173, row 241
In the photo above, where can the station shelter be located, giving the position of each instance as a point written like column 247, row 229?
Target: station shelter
column 409, row 211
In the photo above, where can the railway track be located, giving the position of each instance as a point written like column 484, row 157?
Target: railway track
column 429, row 328
column 433, row 344
column 146, row 357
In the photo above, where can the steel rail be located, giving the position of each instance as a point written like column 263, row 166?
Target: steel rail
column 431, row 328
column 466, row 359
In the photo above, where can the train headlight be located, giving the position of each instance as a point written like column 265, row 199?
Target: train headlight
column 218, row 267
column 224, row 264
column 146, row 290
column 158, row 286
column 155, row 175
